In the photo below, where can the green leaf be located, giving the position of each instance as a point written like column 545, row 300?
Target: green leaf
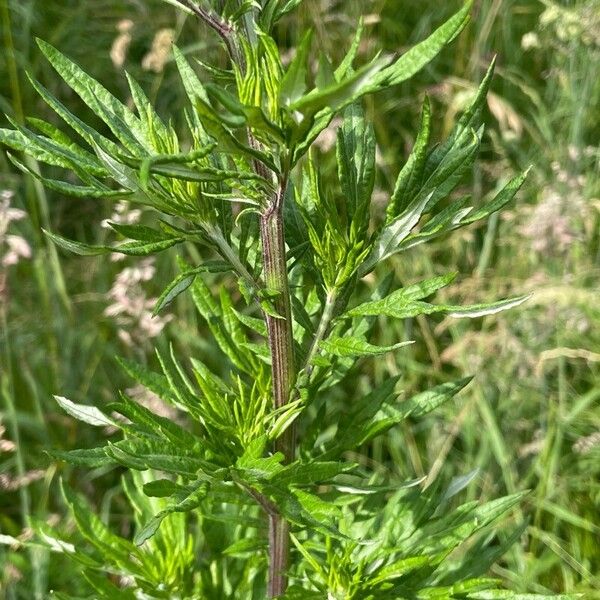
column 506, row 194
column 155, row 382
column 155, row 425
column 397, row 301
column 345, row 66
column 144, row 454
column 318, row 509
column 411, row 173
column 122, row 553
column 167, row 164
column 391, row 235
column 123, row 123
column 274, row 10
column 397, row 569
column 418, row 56
column 481, row 310
column 181, row 283
column 353, row 347
column 423, row 403
column 136, row 248
column 191, row 502
column 69, row 189
column 470, row 120
column 86, row 132
column 405, row 303
column 88, row 414
column 48, row 151
column 293, row 84
column 91, row 458
column 162, row 488
column 340, row 94
column 356, row 162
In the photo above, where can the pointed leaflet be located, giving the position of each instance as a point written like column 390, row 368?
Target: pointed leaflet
column 356, row 160
column 153, row 424
column 418, row 56
column 392, row 234
column 403, row 296
column 345, row 66
column 155, row 382
column 86, row 132
column 135, row 248
column 293, row 84
column 100, row 100
column 350, row 347
column 88, row 414
column 411, row 173
column 469, row 120
column 161, row 137
column 49, row 151
column 69, row 189
column 191, row 502
column 181, row 283
column 403, row 304
column 122, row 552
column 506, row 194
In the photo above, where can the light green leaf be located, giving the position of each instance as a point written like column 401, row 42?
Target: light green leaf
column 356, row 162
column 123, row 123
column 135, row 248
column 191, row 502
column 293, row 84
column 418, row 56
column 88, row 414
column 181, row 283
column 411, row 173
column 482, row 310
column 340, row 94
column 506, row 194
column 398, row 569
column 396, row 302
column 350, row 347
column 389, row 238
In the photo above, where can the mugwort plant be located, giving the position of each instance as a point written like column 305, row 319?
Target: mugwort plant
column 249, row 492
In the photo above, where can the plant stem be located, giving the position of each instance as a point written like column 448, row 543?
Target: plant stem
column 282, row 356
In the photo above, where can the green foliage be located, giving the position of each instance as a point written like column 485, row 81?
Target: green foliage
column 246, row 178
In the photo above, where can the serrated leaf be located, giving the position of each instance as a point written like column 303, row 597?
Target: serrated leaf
column 155, row 382
column 354, row 347
column 318, row 509
column 69, row 189
column 398, row 569
column 162, row 488
column 397, row 302
column 91, row 458
column 340, row 94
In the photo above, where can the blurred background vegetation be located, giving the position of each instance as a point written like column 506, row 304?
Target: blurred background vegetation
column 530, row 420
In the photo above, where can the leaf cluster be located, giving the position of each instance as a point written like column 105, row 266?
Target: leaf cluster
column 244, row 158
